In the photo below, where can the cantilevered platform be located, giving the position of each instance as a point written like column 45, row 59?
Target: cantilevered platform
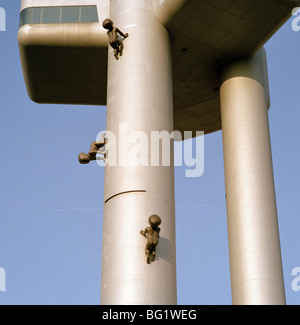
column 65, row 61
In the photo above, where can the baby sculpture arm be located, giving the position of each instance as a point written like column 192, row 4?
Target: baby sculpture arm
column 122, row 34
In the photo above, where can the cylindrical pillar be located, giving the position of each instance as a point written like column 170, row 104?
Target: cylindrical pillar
column 139, row 101
column 254, row 247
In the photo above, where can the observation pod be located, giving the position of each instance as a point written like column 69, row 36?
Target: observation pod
column 63, row 51
column 188, row 65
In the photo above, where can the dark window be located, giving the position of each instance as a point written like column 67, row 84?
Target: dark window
column 70, row 14
column 25, row 17
column 36, row 15
column 50, row 15
column 89, row 14
column 55, row 15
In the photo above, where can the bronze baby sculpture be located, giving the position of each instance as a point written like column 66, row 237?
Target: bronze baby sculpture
column 152, row 234
column 113, row 37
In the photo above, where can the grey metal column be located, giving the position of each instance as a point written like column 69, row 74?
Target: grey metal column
column 139, row 99
column 254, row 247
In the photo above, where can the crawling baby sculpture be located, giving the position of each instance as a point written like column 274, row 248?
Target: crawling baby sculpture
column 152, row 234
column 113, row 37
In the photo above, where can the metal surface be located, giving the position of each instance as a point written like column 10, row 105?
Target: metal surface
column 254, row 247
column 139, row 97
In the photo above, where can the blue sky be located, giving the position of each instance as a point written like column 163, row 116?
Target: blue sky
column 51, row 206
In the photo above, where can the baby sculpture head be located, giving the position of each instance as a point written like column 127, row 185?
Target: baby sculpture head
column 108, row 24
column 154, row 220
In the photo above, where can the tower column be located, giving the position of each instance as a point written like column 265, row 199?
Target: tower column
column 254, row 247
column 139, row 101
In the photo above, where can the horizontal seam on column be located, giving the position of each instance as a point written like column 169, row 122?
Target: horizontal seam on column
column 121, row 193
